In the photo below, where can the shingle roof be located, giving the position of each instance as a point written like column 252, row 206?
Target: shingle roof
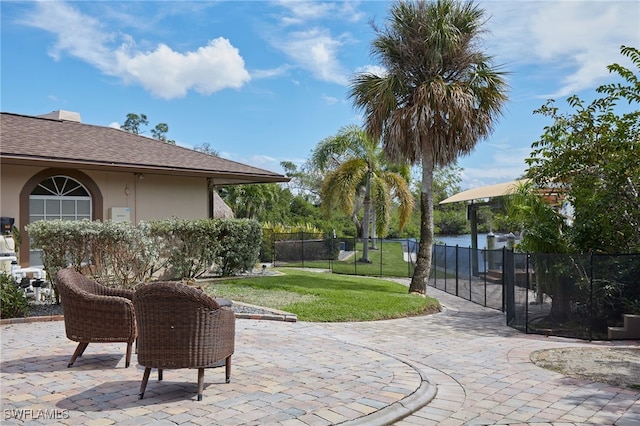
column 58, row 143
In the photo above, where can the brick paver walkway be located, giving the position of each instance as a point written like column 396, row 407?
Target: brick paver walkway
column 462, row 366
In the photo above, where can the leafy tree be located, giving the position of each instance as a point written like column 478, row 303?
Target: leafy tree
column 306, row 181
column 160, row 133
column 590, row 157
column 448, row 218
column 251, row 200
column 440, row 95
column 134, row 122
column 356, row 168
column 207, row 149
column 545, row 233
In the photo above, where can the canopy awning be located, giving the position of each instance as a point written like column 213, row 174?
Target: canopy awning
column 491, row 191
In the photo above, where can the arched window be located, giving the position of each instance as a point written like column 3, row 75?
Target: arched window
column 58, row 197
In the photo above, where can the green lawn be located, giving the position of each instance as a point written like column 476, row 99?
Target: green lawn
column 325, row 297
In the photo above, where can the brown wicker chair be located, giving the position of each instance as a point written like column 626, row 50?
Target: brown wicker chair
column 94, row 313
column 182, row 327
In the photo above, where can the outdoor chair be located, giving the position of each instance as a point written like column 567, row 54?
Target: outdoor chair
column 94, row 313
column 182, row 327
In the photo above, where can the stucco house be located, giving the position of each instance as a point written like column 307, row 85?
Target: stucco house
column 55, row 166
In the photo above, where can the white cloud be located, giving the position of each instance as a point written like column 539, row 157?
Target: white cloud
column 169, row 74
column 114, row 125
column 163, row 71
column 316, row 51
column 330, row 100
column 574, row 39
column 270, row 73
column 301, row 12
column 506, row 163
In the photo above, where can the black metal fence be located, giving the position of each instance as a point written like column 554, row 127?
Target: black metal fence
column 567, row 295
column 570, row 295
column 577, row 296
column 475, row 275
column 344, row 255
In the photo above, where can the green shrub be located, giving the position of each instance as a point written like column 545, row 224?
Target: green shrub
column 13, row 303
column 189, row 246
column 239, row 245
column 124, row 255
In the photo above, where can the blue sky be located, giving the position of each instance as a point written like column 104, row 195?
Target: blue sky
column 264, row 81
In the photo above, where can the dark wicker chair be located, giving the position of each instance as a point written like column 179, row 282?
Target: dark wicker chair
column 182, row 327
column 94, row 313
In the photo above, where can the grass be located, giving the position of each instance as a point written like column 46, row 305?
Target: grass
column 325, row 297
column 387, row 260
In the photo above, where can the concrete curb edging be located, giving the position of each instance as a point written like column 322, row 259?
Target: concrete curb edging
column 398, row 410
column 8, row 321
column 275, row 315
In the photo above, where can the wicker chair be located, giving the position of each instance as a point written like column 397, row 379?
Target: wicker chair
column 182, row 327
column 94, row 313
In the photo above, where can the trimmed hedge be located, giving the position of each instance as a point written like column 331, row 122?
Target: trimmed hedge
column 124, row 255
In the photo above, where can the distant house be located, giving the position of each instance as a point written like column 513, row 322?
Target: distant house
column 54, row 166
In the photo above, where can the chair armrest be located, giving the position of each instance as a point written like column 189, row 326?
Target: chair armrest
column 92, row 317
column 118, row 292
column 218, row 328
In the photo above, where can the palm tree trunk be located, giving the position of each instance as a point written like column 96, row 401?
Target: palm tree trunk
column 374, row 233
column 423, row 261
column 366, row 220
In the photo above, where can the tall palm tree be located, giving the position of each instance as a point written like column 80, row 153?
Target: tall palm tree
column 355, row 166
column 440, row 95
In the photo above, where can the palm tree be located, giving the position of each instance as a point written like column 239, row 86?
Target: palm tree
column 440, row 95
column 356, row 171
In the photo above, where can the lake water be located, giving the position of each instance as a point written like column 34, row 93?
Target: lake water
column 465, row 240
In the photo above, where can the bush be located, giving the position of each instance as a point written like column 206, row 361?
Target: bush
column 125, row 255
column 189, row 246
column 13, row 303
column 239, row 246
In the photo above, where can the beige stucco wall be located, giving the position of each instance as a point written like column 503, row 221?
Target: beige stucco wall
column 152, row 197
column 12, row 179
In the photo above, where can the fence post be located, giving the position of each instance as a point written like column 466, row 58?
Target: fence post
column 355, row 257
column 504, row 287
column 410, row 259
column 486, row 270
column 445, row 268
column 474, row 253
column 526, row 298
column 590, row 294
column 302, row 249
column 273, row 241
column 381, row 252
column 457, row 267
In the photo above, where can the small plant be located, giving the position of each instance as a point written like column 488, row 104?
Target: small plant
column 14, row 304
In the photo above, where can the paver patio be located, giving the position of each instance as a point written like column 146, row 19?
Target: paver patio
column 462, row 366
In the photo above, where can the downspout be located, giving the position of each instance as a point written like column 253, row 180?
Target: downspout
column 211, row 204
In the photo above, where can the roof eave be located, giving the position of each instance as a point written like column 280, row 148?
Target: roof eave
column 219, row 177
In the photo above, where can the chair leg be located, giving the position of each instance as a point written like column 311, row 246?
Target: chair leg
column 128, row 359
column 78, row 352
column 227, row 369
column 159, row 374
column 145, row 379
column 200, row 383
